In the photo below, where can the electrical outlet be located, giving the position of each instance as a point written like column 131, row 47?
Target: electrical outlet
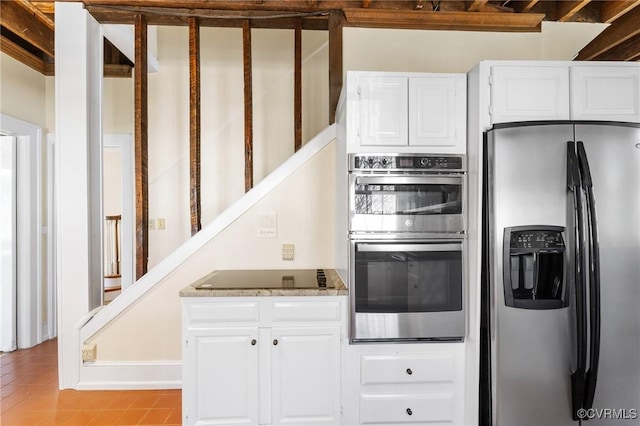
column 287, row 251
column 89, row 352
column 160, row 224
column 152, row 224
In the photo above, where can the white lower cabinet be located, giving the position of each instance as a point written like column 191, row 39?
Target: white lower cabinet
column 221, row 376
column 278, row 367
column 305, row 375
column 407, row 384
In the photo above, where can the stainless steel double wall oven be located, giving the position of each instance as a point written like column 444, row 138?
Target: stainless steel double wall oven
column 407, row 231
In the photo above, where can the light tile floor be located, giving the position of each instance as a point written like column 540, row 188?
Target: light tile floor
column 30, row 396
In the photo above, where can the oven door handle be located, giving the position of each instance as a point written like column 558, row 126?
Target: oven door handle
column 408, row 180
column 409, row 247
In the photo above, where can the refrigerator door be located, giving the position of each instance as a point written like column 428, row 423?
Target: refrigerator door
column 531, row 351
column 614, row 159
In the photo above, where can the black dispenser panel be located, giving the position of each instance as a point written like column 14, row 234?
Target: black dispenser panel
column 534, row 267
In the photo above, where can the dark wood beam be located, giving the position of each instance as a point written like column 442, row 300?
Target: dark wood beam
column 567, row 9
column 248, row 106
column 336, row 22
column 208, row 17
column 625, row 51
column 141, row 150
column 22, row 55
column 117, row 71
column 453, row 21
column 523, row 6
column 297, row 87
column 37, row 13
column 621, row 30
column 477, row 5
column 612, row 10
column 194, row 123
column 24, row 23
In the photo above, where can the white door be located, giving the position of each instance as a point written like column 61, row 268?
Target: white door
column 529, row 93
column 305, row 375
column 437, row 113
column 8, row 285
column 383, row 110
column 605, row 93
column 221, row 377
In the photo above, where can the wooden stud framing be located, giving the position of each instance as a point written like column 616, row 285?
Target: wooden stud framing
column 335, row 62
column 194, row 123
column 297, row 83
column 248, row 106
column 141, row 156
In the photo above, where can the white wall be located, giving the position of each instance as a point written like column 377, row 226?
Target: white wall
column 458, row 51
column 22, row 92
column 304, row 203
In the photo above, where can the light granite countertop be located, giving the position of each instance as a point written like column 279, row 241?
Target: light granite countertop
column 286, row 282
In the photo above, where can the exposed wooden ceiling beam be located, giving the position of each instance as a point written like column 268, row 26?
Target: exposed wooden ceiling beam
column 455, row 21
column 23, row 22
column 612, row 10
column 268, row 5
column 523, row 6
column 46, row 7
column 37, row 13
column 477, row 5
column 618, row 32
column 208, row 17
column 567, row 9
column 625, row 51
column 20, row 54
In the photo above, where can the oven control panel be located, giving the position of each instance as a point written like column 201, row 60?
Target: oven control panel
column 407, row 162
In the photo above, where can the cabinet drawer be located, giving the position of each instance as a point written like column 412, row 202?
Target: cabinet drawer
column 292, row 311
column 416, row 408
column 202, row 313
column 385, row 369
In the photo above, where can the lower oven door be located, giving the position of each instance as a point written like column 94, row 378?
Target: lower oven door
column 409, row 290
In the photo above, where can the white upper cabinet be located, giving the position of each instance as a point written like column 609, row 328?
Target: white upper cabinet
column 437, row 112
column 605, row 93
column 564, row 91
column 383, row 110
column 526, row 93
column 406, row 112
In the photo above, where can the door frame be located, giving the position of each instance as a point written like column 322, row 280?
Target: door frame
column 29, row 230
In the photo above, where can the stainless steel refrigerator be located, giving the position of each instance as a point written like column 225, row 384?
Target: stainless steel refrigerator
column 560, row 292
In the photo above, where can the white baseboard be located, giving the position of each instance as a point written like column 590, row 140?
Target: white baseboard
column 130, row 375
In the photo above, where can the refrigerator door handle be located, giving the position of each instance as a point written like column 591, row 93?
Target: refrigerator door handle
column 574, row 186
column 591, row 375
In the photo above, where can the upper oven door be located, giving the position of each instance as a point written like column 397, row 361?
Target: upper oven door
column 406, row 203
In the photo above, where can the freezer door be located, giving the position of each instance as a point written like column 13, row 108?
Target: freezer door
column 614, row 159
column 531, row 353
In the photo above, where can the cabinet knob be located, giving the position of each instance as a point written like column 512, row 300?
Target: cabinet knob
column 409, row 412
column 409, row 372
column 275, row 342
column 253, row 342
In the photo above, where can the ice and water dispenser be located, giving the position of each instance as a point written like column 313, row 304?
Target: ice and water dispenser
column 534, row 267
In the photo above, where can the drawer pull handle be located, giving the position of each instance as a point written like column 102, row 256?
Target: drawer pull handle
column 275, row 342
column 409, row 412
column 253, row 342
column 409, row 372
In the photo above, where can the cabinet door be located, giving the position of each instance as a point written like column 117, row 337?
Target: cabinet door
column 383, row 110
column 605, row 93
column 221, row 377
column 305, row 375
column 437, row 113
column 529, row 93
